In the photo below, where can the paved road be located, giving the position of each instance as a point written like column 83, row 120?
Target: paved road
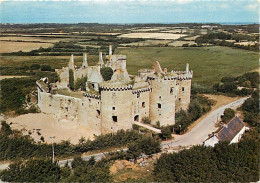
column 200, row 132
column 97, row 157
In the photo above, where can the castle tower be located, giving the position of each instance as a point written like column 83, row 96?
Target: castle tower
column 183, row 90
column 162, row 101
column 85, row 60
column 162, row 98
column 71, row 62
column 100, row 61
column 116, row 108
column 110, row 50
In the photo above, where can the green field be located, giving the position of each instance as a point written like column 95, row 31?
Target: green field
column 209, row 64
column 54, row 61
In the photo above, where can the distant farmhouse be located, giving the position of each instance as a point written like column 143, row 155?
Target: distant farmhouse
column 231, row 132
column 109, row 106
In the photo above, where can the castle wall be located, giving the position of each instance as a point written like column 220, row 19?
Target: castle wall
column 140, row 104
column 84, row 112
column 162, row 101
column 64, row 77
column 89, row 114
column 183, row 95
column 62, row 107
column 116, row 110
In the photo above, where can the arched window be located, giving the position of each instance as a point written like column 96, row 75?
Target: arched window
column 136, row 118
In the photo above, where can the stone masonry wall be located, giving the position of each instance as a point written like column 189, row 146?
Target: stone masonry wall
column 116, row 110
column 162, row 101
column 183, row 95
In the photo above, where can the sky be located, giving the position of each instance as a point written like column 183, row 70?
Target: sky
column 131, row 11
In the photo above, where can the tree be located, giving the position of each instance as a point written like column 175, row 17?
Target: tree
column 106, row 73
column 5, row 129
column 166, row 132
column 145, row 145
column 228, row 115
column 71, row 79
column 33, row 170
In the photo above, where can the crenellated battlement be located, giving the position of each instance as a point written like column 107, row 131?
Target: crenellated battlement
column 111, row 88
column 141, row 90
column 88, row 95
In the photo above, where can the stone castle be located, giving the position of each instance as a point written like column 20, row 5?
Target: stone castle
column 109, row 106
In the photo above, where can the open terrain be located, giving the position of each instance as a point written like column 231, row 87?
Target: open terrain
column 53, row 61
column 40, row 124
column 209, row 64
column 153, row 35
column 9, row 46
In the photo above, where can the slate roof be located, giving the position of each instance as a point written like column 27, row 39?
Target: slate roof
column 228, row 132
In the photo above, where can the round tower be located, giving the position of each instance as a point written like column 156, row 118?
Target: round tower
column 162, row 100
column 116, row 108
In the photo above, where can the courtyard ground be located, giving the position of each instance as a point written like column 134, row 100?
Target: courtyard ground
column 40, row 124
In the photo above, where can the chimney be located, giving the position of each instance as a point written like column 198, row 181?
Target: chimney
column 187, row 68
column 110, row 50
column 101, row 59
column 85, row 60
column 71, row 62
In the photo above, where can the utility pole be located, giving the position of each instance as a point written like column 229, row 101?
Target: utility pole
column 52, row 148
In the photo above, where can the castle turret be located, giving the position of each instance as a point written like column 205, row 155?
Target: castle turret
column 71, row 62
column 110, row 50
column 187, row 68
column 100, row 61
column 85, row 60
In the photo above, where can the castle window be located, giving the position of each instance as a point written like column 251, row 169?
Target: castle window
column 143, row 104
column 138, row 95
column 98, row 112
column 114, row 108
column 179, row 99
column 160, row 97
column 182, row 88
column 50, row 105
column 114, row 118
column 67, row 109
column 89, row 100
column 136, row 118
column 171, row 90
column 159, row 106
column 82, row 104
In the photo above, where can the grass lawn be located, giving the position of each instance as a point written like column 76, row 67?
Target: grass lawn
column 209, row 64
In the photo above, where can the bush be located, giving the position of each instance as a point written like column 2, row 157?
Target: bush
column 166, row 132
column 35, row 66
column 37, row 170
column 145, row 145
column 81, row 83
column 106, row 73
column 46, row 68
column 228, row 115
column 146, row 120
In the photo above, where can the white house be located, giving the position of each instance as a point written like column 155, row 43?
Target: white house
column 231, row 132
